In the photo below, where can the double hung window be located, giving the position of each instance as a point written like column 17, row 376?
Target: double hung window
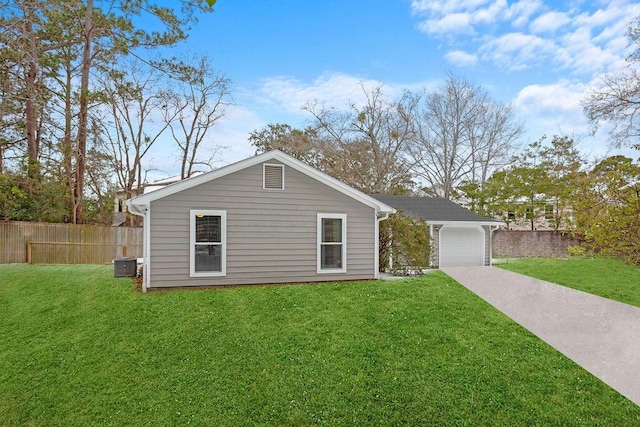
column 332, row 243
column 208, row 243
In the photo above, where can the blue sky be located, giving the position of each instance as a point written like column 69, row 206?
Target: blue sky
column 540, row 56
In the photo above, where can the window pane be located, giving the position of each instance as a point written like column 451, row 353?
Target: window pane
column 528, row 213
column 548, row 212
column 208, row 228
column 208, row 258
column 331, row 230
column 331, row 256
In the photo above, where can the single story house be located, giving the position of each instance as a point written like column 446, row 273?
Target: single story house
column 460, row 237
column 266, row 219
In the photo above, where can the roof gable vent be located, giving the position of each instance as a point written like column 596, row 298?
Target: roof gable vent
column 273, row 176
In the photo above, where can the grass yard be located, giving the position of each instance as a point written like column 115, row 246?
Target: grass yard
column 79, row 347
column 606, row 277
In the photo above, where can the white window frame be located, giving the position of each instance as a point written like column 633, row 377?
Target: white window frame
column 192, row 242
column 264, row 177
column 343, row 217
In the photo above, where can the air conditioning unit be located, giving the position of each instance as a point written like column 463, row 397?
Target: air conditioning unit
column 125, row 267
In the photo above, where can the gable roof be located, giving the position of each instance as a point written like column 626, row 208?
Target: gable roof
column 143, row 201
column 435, row 209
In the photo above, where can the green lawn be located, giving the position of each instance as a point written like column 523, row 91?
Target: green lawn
column 606, row 277
column 79, row 347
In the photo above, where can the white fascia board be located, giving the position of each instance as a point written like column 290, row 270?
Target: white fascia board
column 145, row 199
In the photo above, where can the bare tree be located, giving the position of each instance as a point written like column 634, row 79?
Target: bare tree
column 493, row 138
column 134, row 96
column 366, row 143
column 442, row 150
column 616, row 100
column 197, row 102
column 461, row 134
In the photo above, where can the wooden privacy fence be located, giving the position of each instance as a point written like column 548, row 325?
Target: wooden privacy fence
column 43, row 243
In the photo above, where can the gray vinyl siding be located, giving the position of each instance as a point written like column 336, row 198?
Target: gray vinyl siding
column 487, row 244
column 271, row 233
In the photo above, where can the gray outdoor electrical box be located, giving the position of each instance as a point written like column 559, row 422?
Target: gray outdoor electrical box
column 125, row 267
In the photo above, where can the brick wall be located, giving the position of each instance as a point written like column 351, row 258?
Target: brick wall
column 525, row 243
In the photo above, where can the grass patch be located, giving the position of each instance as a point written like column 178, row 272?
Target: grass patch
column 606, row 277
column 80, row 347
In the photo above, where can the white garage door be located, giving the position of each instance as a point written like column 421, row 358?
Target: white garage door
column 461, row 246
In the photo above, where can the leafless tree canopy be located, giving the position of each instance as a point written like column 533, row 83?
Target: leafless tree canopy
column 366, row 143
column 616, row 100
column 460, row 134
column 442, row 138
column 131, row 95
column 196, row 102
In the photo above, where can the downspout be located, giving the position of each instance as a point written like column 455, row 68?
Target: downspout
column 432, row 239
column 134, row 209
column 376, row 267
column 386, row 216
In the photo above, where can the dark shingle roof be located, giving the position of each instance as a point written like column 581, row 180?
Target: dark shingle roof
column 432, row 209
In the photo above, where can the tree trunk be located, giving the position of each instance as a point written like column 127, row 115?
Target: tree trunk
column 67, row 143
column 82, row 119
column 3, row 101
column 31, row 74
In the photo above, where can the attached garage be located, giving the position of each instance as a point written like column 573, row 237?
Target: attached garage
column 461, row 246
column 460, row 237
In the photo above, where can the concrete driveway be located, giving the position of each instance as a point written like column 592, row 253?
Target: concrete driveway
column 601, row 335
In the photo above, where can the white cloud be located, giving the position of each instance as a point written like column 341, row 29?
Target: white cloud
column 582, row 55
column 553, row 108
column 490, row 14
column 616, row 13
column 577, row 40
column 519, row 13
column 549, row 22
column 457, row 17
column 425, row 7
column 454, row 23
column 561, row 97
column 461, row 58
column 289, row 94
column 516, row 51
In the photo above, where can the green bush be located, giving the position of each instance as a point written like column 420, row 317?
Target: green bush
column 405, row 241
column 28, row 199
